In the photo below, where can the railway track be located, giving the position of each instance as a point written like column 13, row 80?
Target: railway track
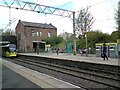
column 95, row 79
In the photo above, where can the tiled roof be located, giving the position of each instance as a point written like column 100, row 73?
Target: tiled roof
column 41, row 25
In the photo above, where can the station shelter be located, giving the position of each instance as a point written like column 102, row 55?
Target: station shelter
column 112, row 49
column 40, row 45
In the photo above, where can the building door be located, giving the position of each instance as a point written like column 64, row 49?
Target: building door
column 34, row 46
column 42, row 46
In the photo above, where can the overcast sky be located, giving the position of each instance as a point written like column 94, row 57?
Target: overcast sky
column 102, row 10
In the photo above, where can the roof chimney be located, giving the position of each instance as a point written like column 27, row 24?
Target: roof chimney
column 20, row 20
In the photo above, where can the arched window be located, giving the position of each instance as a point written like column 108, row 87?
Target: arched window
column 40, row 33
column 33, row 33
column 49, row 34
column 37, row 33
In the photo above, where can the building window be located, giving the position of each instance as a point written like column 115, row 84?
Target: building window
column 37, row 33
column 40, row 33
column 33, row 33
column 49, row 34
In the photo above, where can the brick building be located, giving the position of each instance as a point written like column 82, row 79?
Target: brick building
column 30, row 35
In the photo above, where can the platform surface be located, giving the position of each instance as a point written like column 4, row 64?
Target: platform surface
column 40, row 79
column 78, row 57
column 11, row 79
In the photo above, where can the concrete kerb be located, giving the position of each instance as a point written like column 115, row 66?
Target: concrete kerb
column 36, row 77
column 98, row 60
column 102, row 65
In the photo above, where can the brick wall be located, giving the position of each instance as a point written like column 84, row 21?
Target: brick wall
column 26, row 35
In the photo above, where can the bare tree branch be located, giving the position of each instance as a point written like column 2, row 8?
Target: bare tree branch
column 84, row 21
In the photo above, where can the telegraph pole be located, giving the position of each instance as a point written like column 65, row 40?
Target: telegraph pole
column 74, row 33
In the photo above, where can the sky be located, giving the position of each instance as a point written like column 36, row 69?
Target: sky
column 103, row 12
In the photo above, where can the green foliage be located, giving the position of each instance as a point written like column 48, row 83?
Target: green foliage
column 93, row 37
column 1, row 32
column 53, row 40
column 62, row 45
column 80, row 43
column 5, row 33
column 114, row 36
column 117, row 18
column 68, row 37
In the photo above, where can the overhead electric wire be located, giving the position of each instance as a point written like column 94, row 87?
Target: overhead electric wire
column 106, row 9
column 101, row 21
column 65, row 4
column 98, row 3
column 14, row 19
column 62, row 6
column 58, row 18
column 18, row 17
column 70, row 2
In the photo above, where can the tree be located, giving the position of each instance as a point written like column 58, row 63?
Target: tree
column 114, row 36
column 67, row 43
column 66, row 35
column 7, row 32
column 93, row 38
column 53, row 40
column 117, row 17
column 1, row 32
column 84, row 22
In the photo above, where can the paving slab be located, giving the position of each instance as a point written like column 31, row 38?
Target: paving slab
column 42, row 80
column 11, row 79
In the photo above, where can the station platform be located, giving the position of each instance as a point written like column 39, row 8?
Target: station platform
column 78, row 57
column 41, row 80
column 11, row 79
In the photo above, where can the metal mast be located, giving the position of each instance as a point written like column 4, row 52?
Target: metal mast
column 29, row 6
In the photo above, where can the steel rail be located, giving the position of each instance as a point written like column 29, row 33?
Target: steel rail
column 75, row 73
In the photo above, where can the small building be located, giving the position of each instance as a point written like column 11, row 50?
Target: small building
column 30, row 35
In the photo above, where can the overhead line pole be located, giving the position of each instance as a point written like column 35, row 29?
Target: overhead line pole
column 9, row 16
column 74, row 33
column 29, row 6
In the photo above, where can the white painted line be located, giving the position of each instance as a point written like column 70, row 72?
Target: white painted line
column 28, row 73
